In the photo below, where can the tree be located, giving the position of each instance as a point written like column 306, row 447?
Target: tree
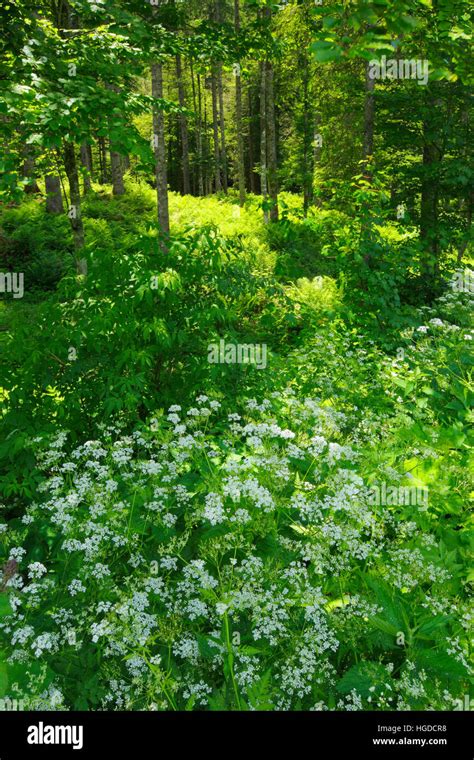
column 161, row 172
column 184, row 128
column 54, row 201
column 240, row 158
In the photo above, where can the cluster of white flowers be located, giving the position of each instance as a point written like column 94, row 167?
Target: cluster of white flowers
column 187, row 557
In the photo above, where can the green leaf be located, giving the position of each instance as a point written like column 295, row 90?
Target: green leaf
column 326, row 51
column 5, row 606
column 3, row 679
column 362, row 678
column 440, row 663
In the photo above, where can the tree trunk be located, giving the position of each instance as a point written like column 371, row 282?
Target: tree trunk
column 468, row 202
column 85, row 161
column 116, row 162
column 103, row 177
column 200, row 156
column 271, row 144
column 308, row 152
column 116, row 166
column 54, row 200
column 223, row 149
column 263, row 137
column 238, row 117
column 28, row 171
column 215, row 128
column 207, row 153
column 217, row 71
column 159, row 142
column 74, row 211
column 316, row 150
column 183, row 122
column 432, row 154
column 253, row 189
column 369, row 115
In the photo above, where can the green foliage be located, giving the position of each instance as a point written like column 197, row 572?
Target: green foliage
column 36, row 244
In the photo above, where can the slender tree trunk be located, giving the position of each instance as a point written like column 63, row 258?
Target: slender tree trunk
column 116, row 166
column 263, row 137
column 215, row 127
column 85, row 161
column 208, row 170
column 253, row 189
column 220, row 97
column 468, row 201
column 223, row 148
column 102, row 160
column 184, row 128
column 271, row 144
column 432, row 154
column 54, row 200
column 238, row 117
column 316, row 150
column 116, row 162
column 199, row 139
column 90, row 164
column 197, row 105
column 28, row 171
column 369, row 115
column 159, row 142
column 74, row 211
column 308, row 152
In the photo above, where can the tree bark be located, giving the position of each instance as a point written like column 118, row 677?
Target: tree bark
column 116, row 167
column 116, row 162
column 215, row 129
column 369, row 115
column 207, row 163
column 432, row 154
column 159, row 141
column 316, row 152
column 252, row 183
column 54, row 200
column 74, row 211
column 223, row 148
column 103, row 176
column 28, row 171
column 308, row 137
column 271, row 144
column 263, row 137
column 199, row 151
column 183, row 122
column 85, row 161
column 238, row 117
column 220, row 98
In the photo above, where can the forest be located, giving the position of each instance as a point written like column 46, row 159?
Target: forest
column 236, row 290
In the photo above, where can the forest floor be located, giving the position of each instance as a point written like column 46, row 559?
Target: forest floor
column 223, row 535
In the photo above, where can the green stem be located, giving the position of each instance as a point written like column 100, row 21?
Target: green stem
column 230, row 660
